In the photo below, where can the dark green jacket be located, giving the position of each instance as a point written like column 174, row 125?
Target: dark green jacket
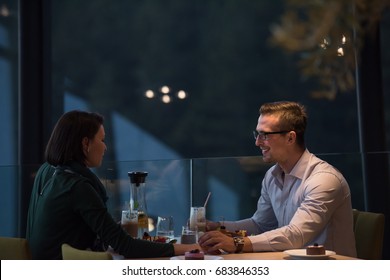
column 68, row 205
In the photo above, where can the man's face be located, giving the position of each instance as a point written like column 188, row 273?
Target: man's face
column 274, row 146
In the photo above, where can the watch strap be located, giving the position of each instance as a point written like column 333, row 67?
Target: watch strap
column 239, row 243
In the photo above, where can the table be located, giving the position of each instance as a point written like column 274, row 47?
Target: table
column 264, row 256
column 273, row 256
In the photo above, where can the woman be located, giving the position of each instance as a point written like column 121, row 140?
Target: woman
column 68, row 201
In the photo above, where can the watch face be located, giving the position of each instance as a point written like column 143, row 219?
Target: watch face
column 238, row 240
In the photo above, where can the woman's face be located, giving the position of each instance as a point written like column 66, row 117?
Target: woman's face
column 94, row 149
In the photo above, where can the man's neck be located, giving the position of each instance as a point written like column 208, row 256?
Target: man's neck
column 294, row 157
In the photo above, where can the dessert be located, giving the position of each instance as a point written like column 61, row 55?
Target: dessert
column 158, row 239
column 194, row 255
column 315, row 249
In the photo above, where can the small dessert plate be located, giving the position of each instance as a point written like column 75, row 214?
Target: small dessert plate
column 300, row 254
column 206, row 257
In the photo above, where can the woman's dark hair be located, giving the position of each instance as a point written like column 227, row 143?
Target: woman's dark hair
column 65, row 143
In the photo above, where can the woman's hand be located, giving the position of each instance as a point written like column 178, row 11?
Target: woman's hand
column 180, row 249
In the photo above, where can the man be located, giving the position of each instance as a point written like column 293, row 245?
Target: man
column 304, row 200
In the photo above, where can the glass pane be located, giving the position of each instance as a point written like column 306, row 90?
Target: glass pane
column 9, row 118
column 9, row 201
column 234, row 183
column 385, row 57
column 107, row 55
column 167, row 188
column 8, row 83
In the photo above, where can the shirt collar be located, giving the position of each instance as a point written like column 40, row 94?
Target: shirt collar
column 298, row 170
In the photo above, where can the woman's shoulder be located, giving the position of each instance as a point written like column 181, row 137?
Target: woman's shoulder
column 45, row 172
column 46, row 168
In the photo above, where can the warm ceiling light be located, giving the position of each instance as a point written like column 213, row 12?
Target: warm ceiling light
column 181, row 94
column 324, row 44
column 149, row 93
column 343, row 40
column 165, row 89
column 166, row 99
column 340, row 52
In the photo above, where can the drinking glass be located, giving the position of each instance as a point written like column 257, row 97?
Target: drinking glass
column 129, row 222
column 165, row 227
column 188, row 236
column 198, row 219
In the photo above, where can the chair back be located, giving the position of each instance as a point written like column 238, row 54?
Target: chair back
column 71, row 253
column 369, row 231
column 13, row 248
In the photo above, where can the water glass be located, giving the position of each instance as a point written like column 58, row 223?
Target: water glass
column 165, row 227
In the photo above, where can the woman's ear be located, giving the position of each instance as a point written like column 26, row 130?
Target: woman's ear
column 85, row 143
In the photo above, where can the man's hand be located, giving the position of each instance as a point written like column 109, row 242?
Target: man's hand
column 210, row 225
column 213, row 241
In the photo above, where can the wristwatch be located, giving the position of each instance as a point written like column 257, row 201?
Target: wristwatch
column 239, row 243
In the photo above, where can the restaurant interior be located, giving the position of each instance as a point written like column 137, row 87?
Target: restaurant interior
column 180, row 84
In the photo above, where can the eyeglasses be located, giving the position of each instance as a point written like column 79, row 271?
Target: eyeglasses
column 264, row 135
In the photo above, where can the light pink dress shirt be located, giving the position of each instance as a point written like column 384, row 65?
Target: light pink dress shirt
column 311, row 205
